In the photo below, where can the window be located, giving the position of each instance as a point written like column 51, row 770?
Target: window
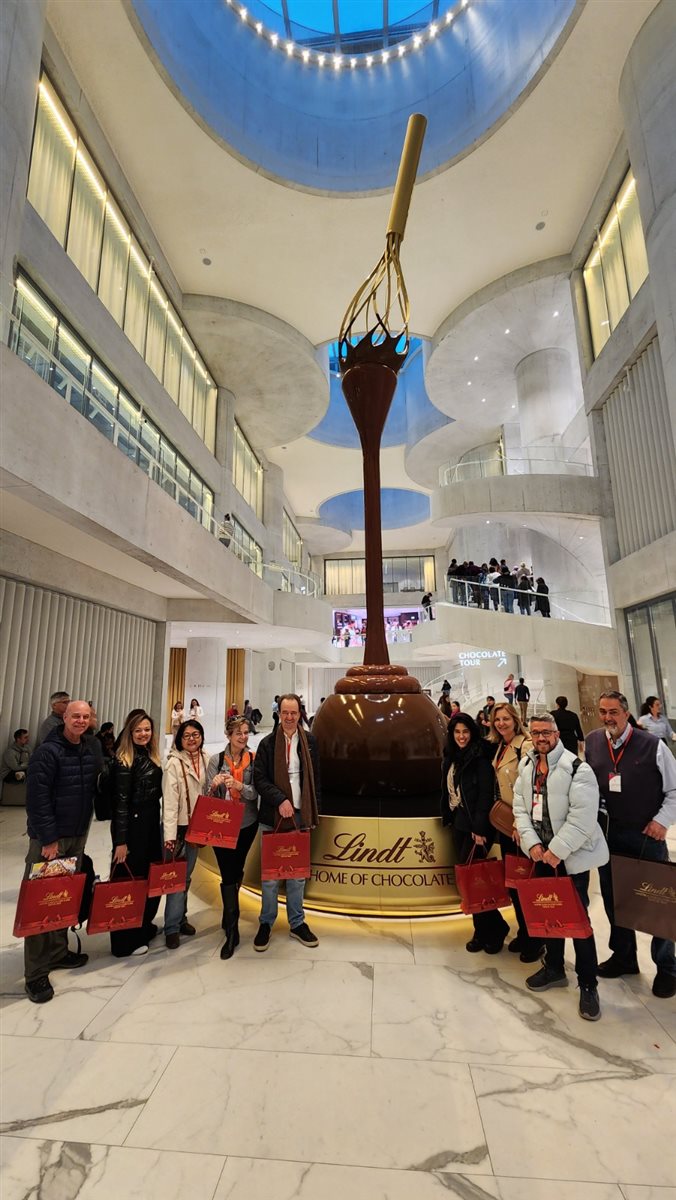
column 39, row 337
column 52, row 161
column 292, row 543
column 72, row 197
column 246, row 548
column 408, row 573
column 652, row 641
column 247, row 473
column 616, row 266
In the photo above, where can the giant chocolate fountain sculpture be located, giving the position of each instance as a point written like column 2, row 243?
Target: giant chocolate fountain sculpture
column 380, row 738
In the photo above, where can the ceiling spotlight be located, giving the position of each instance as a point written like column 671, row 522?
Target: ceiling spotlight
column 514, row 406
column 259, row 26
column 321, row 59
column 483, row 399
column 402, row 51
column 274, row 38
column 476, row 357
column 506, row 331
column 306, row 56
column 581, row 538
column 469, row 382
column 488, row 522
column 386, row 55
column 556, row 313
column 243, row 13
column 289, row 48
column 464, row 4
column 449, row 17
column 369, row 60
column 337, row 61
column 433, row 31
column 353, row 63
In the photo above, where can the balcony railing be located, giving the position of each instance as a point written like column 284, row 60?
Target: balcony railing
column 544, row 460
column 493, row 597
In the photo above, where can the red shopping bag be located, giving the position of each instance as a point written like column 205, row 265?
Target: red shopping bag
column 47, row 904
column 482, row 885
column 552, row 908
column 165, row 878
column 517, row 868
column 215, row 822
column 285, row 855
column 118, row 904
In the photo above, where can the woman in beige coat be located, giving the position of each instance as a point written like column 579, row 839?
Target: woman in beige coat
column 512, row 743
column 184, row 779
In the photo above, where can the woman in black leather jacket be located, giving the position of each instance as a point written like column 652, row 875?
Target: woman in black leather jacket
column 135, row 825
column 467, row 796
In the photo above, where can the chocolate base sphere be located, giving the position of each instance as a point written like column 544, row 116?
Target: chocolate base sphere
column 380, row 754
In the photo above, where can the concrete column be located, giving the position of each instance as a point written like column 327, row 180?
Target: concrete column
column 270, row 676
column 273, row 504
column 205, row 678
column 648, row 101
column 21, row 31
column 160, row 679
column 560, row 680
column 225, row 408
column 546, row 395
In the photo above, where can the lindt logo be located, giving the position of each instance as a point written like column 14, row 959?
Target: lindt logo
column 352, row 848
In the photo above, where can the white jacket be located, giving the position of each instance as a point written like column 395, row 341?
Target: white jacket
column 175, row 808
column 573, row 810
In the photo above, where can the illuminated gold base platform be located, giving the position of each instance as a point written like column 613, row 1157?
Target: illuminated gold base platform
column 374, row 866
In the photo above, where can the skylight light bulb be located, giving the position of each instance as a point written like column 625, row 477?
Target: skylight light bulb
column 259, row 26
column 417, row 41
column 243, row 13
column 449, row 17
column 353, row 63
column 433, row 31
column 321, row 59
column 369, row 60
column 306, row 56
column 274, row 38
column 337, row 61
column 402, row 51
column 386, row 55
column 289, row 48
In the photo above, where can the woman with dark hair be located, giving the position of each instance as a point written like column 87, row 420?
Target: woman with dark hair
column 135, row 826
column 185, row 778
column 653, row 720
column 467, row 796
column 542, row 597
column 231, row 773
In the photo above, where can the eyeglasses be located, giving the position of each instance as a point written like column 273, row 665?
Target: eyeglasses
column 190, row 737
column 549, row 733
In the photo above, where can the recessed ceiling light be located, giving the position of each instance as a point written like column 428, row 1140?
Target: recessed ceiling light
column 581, row 537
column 274, row 38
column 306, row 55
column 207, row 262
column 433, row 31
column 555, row 313
column 476, row 357
column 540, row 226
column 386, row 55
column 483, row 399
column 506, row 331
column 369, row 60
column 417, row 41
column 469, row 382
column 488, row 522
column 514, row 406
column 402, row 51
column 259, row 26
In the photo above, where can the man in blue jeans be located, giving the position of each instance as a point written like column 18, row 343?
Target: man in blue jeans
column 286, row 776
column 636, row 774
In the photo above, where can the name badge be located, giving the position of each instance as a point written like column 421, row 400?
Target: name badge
column 615, row 783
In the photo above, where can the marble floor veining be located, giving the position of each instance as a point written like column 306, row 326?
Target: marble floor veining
column 386, row 1064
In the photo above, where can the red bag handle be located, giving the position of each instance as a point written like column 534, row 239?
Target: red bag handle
column 280, row 821
column 125, row 864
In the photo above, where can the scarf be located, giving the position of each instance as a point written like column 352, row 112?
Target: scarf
column 308, row 798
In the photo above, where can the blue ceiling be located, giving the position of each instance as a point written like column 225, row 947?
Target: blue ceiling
column 400, row 507
column 346, row 25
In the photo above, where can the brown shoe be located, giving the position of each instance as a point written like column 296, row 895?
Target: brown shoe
column 172, row 941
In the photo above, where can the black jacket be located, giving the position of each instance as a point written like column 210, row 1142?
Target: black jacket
column 60, row 786
column 264, row 777
column 568, row 725
column 135, row 788
column 477, row 788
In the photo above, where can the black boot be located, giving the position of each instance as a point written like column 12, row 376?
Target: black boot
column 230, row 919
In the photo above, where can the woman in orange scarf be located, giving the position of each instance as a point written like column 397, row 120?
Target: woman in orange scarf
column 231, row 773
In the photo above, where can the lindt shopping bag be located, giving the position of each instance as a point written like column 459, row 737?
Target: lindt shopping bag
column 644, row 895
column 285, row 855
column 482, row 885
column 552, row 908
column 52, row 902
column 118, row 904
column 165, row 878
column 517, row 868
column 215, row 822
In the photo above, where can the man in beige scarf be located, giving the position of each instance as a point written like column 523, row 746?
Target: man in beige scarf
column 286, row 776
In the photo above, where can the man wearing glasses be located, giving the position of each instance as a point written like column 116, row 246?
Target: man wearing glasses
column 556, row 804
column 636, row 774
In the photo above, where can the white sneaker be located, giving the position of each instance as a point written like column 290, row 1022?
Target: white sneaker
column 139, row 951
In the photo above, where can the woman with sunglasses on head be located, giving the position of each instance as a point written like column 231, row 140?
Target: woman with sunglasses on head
column 185, row 778
column 230, row 773
column 136, row 789
column 467, row 795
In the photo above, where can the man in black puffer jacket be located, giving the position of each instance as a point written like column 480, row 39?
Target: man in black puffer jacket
column 59, row 791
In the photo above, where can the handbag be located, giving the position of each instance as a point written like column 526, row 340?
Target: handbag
column 644, row 895
column 517, row 868
column 285, row 855
column 118, row 904
column 501, row 818
column 552, row 908
column 165, row 878
column 481, row 884
column 49, row 903
column 215, row 822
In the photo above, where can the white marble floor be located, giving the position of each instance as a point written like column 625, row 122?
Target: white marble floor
column 387, row 1064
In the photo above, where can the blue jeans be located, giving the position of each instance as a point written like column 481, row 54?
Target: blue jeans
column 176, row 905
column 295, row 890
column 633, row 844
column 508, row 600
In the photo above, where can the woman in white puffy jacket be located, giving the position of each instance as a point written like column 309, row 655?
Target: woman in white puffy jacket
column 556, row 805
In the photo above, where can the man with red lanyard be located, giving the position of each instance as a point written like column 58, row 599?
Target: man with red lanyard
column 636, row 775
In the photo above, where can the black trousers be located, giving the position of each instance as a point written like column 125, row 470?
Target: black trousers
column 144, row 844
column 509, row 846
column 490, row 927
column 231, row 862
column 586, row 962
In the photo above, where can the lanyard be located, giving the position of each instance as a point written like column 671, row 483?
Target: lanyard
column 540, row 777
column 616, row 759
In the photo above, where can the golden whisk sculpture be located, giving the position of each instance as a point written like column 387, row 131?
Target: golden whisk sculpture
column 369, row 377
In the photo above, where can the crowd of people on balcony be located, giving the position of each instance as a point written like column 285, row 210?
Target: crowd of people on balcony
column 497, row 584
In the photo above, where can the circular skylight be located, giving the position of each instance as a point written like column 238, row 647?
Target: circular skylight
column 344, row 26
